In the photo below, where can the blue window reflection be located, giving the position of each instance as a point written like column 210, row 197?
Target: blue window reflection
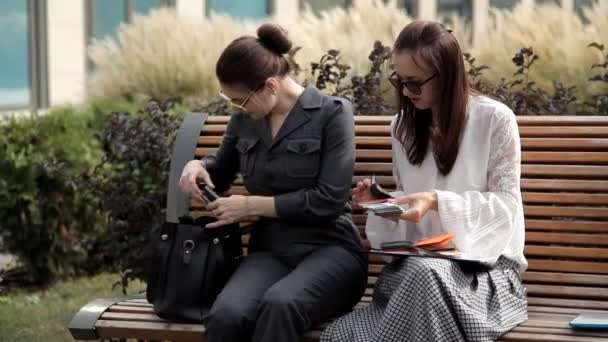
column 107, row 16
column 145, row 6
column 321, row 5
column 503, row 4
column 250, row 9
column 462, row 8
column 14, row 73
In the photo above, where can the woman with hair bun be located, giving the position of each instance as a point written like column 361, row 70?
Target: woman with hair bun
column 294, row 149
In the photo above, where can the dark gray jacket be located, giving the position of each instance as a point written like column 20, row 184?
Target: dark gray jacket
column 307, row 168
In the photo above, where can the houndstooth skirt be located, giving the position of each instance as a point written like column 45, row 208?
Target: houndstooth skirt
column 429, row 299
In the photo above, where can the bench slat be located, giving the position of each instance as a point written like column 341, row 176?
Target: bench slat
column 564, row 144
column 565, row 198
column 565, row 278
column 568, row 252
column 563, row 132
column 568, row 303
column 523, row 120
column 564, row 171
column 150, row 330
column 562, row 211
column 569, row 226
column 561, row 120
column 568, row 238
column 519, row 336
column 559, row 331
column 567, row 266
column 525, row 131
column 596, row 158
column 551, row 144
column 568, row 291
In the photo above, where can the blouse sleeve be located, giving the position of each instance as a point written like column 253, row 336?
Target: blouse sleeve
column 484, row 222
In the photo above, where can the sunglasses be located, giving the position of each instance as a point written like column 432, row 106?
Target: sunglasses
column 414, row 87
column 240, row 106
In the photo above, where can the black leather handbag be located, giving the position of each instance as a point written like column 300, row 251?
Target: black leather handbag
column 190, row 265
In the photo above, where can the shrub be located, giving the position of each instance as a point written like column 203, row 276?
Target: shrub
column 559, row 40
column 130, row 184
column 43, row 215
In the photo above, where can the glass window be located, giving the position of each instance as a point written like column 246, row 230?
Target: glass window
column 107, row 16
column 14, row 56
column 145, row 6
column 250, row 9
column 503, row 4
column 579, row 5
column 319, row 6
column 461, row 8
column 548, row 2
column 411, row 7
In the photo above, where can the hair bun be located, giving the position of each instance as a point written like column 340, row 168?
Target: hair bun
column 275, row 38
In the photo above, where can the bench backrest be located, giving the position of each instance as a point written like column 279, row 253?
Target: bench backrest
column 565, row 192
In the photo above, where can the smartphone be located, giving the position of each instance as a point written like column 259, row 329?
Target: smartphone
column 384, row 208
column 209, row 194
column 377, row 191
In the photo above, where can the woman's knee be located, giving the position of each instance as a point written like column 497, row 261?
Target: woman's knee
column 278, row 298
column 426, row 268
column 227, row 316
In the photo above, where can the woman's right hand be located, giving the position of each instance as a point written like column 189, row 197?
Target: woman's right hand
column 192, row 172
column 361, row 192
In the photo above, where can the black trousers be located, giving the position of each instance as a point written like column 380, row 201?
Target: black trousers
column 267, row 300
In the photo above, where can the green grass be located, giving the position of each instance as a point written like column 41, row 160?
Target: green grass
column 44, row 315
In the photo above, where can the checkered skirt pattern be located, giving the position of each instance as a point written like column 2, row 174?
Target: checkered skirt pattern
column 429, row 299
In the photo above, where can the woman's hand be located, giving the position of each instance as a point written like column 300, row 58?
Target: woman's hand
column 418, row 205
column 230, row 210
column 192, row 172
column 361, row 192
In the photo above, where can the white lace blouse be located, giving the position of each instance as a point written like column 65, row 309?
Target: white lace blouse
column 479, row 201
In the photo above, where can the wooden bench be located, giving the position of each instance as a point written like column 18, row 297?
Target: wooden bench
column 565, row 193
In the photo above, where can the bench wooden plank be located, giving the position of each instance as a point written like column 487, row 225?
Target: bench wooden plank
column 568, row 226
column 565, row 198
column 568, row 303
column 526, row 120
column 568, row 238
column 567, row 266
column 563, row 211
column 564, row 144
column 564, row 185
column 569, row 252
column 600, row 293
column 551, row 144
column 565, row 278
column 564, row 171
column 556, row 331
column 565, row 120
column 563, row 132
column 150, row 330
column 552, row 309
column 546, row 337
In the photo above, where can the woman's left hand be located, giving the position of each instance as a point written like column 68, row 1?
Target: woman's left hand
column 230, row 210
column 419, row 204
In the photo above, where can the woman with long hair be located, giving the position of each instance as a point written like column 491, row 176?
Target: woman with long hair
column 457, row 159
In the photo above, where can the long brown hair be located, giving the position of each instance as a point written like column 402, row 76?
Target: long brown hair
column 249, row 60
column 415, row 128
